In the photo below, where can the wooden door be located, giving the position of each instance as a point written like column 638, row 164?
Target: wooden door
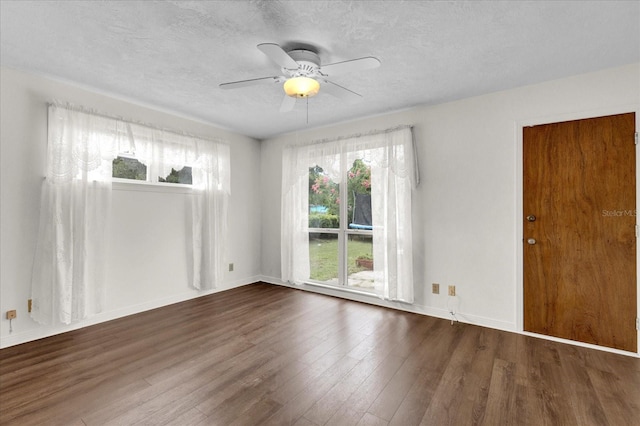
column 579, row 230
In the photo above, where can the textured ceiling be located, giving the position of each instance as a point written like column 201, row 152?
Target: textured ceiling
column 173, row 54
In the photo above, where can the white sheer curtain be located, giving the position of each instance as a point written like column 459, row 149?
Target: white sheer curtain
column 393, row 175
column 294, row 219
column 209, row 206
column 211, row 183
column 68, row 272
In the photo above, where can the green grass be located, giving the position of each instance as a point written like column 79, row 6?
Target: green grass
column 323, row 255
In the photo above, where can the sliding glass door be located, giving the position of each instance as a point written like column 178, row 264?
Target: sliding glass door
column 341, row 232
column 346, row 213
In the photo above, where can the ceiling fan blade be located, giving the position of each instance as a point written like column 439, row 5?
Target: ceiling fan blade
column 340, row 92
column 350, row 66
column 279, row 56
column 287, row 104
column 251, row 82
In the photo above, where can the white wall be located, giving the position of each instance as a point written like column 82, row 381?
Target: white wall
column 147, row 252
column 467, row 210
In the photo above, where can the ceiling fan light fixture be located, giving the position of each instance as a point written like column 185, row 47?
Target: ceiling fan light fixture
column 301, row 87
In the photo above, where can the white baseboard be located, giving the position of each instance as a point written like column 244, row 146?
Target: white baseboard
column 46, row 331
column 415, row 308
column 42, row 332
column 440, row 313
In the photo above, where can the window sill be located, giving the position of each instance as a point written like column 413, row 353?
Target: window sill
column 171, row 188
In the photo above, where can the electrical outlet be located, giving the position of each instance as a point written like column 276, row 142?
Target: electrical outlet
column 452, row 290
column 231, row 267
column 11, row 314
column 435, row 288
column 29, row 305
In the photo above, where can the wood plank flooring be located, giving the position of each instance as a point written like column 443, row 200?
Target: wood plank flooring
column 269, row 355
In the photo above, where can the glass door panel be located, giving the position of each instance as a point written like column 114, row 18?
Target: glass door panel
column 324, row 258
column 360, row 273
column 324, row 200
column 340, row 234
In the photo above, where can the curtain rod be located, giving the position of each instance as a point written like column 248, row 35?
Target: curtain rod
column 84, row 110
column 355, row 135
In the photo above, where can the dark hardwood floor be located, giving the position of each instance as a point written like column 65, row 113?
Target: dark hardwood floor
column 269, row 355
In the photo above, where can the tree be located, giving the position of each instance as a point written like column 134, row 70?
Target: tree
column 178, row 176
column 324, row 192
column 129, row 168
column 358, row 182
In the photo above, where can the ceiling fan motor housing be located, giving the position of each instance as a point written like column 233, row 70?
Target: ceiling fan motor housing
column 308, row 64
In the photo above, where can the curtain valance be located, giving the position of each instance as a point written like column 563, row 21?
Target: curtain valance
column 391, row 148
column 82, row 141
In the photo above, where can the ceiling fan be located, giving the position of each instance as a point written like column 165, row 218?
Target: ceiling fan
column 304, row 74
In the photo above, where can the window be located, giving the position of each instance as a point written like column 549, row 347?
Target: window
column 126, row 166
column 341, row 239
column 129, row 168
column 346, row 213
column 182, row 176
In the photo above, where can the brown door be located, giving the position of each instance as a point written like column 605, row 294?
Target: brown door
column 579, row 230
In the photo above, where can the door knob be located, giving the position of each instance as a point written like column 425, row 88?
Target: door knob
column 531, row 218
column 531, row 241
